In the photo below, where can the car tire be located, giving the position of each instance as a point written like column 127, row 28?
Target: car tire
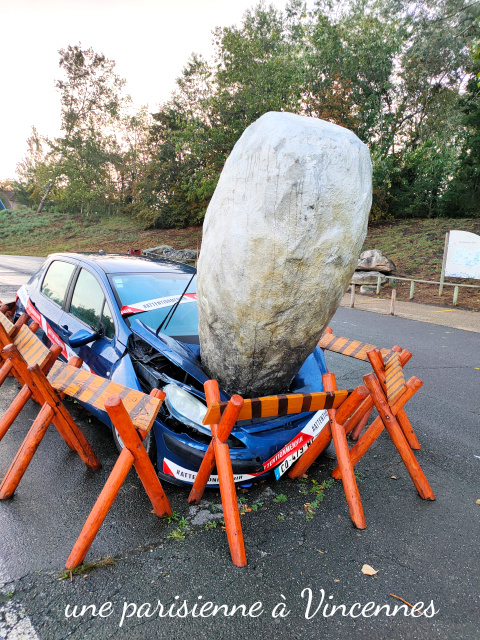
column 149, row 444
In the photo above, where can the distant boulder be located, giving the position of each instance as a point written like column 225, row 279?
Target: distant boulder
column 374, row 260
column 368, row 277
column 169, row 253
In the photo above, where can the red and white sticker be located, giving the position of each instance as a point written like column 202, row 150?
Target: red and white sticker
column 156, row 303
column 283, row 459
column 186, row 475
column 67, row 351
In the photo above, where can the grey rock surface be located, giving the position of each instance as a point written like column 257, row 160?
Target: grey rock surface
column 366, row 288
column 368, row 277
column 281, row 240
column 169, row 253
column 374, row 260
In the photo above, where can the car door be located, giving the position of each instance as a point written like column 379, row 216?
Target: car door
column 48, row 300
column 88, row 308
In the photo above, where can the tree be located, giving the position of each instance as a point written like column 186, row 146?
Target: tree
column 91, row 110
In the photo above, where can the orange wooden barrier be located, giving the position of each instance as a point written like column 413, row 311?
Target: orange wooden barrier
column 8, row 333
column 19, row 366
column 363, row 351
column 340, row 404
column 52, row 411
column 387, row 419
column 133, row 454
column 218, row 453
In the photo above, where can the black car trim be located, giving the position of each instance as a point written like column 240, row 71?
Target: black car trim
column 195, row 456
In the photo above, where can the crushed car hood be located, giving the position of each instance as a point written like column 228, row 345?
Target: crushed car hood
column 307, row 380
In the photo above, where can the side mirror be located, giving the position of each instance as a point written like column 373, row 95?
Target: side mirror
column 83, row 337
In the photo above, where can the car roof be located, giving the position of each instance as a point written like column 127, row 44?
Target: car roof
column 119, row 263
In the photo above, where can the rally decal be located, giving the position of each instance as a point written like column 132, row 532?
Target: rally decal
column 156, row 303
column 67, row 351
column 283, row 459
column 187, row 475
column 309, row 432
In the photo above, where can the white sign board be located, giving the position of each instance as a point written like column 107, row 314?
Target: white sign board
column 463, row 255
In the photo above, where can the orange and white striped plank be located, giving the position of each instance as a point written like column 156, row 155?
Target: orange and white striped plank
column 346, row 347
column 395, row 378
column 282, row 405
column 94, row 390
column 30, row 347
column 5, row 322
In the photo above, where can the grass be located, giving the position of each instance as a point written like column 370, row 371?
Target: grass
column 415, row 246
column 25, row 233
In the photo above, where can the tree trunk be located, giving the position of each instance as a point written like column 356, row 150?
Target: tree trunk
column 45, row 196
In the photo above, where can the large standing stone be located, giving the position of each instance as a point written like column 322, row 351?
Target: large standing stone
column 281, row 240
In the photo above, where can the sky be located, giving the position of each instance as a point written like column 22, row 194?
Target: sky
column 150, row 41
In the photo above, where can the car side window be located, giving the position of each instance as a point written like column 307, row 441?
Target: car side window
column 87, row 300
column 56, row 280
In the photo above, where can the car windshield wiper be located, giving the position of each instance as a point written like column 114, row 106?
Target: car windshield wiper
column 169, row 315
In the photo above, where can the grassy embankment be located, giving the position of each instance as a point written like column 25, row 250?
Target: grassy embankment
column 415, row 246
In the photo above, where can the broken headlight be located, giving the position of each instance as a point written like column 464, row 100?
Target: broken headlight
column 186, row 408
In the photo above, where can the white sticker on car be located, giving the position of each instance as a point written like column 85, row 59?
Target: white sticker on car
column 156, row 303
column 187, row 475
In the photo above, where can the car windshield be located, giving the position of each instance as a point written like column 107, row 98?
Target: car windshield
column 150, row 296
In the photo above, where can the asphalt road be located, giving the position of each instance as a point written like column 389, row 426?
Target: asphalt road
column 423, row 551
column 15, row 271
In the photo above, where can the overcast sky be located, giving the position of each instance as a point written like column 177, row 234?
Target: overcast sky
column 150, row 40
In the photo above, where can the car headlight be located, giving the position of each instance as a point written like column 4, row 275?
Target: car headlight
column 186, row 408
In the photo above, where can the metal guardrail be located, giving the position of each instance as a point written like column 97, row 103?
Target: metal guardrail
column 412, row 281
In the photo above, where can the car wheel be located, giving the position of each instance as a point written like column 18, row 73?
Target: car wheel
column 148, row 443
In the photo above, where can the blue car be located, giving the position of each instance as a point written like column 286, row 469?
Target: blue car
column 134, row 320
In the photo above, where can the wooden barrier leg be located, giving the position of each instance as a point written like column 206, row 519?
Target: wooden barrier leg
column 102, row 505
column 5, row 371
column 357, row 430
column 375, row 429
column 121, row 420
column 306, row 460
column 204, row 472
column 323, row 439
column 230, row 505
column 212, row 394
column 26, row 453
column 63, row 421
column 348, row 476
column 408, row 431
column 343, row 455
column 399, row 440
column 362, row 445
column 14, row 409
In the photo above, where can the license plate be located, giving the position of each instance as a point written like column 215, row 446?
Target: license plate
column 287, row 463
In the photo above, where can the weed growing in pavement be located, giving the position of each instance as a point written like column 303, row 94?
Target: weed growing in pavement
column 280, row 498
column 178, row 534
column 173, row 517
column 319, row 491
column 86, row 567
column 211, row 524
